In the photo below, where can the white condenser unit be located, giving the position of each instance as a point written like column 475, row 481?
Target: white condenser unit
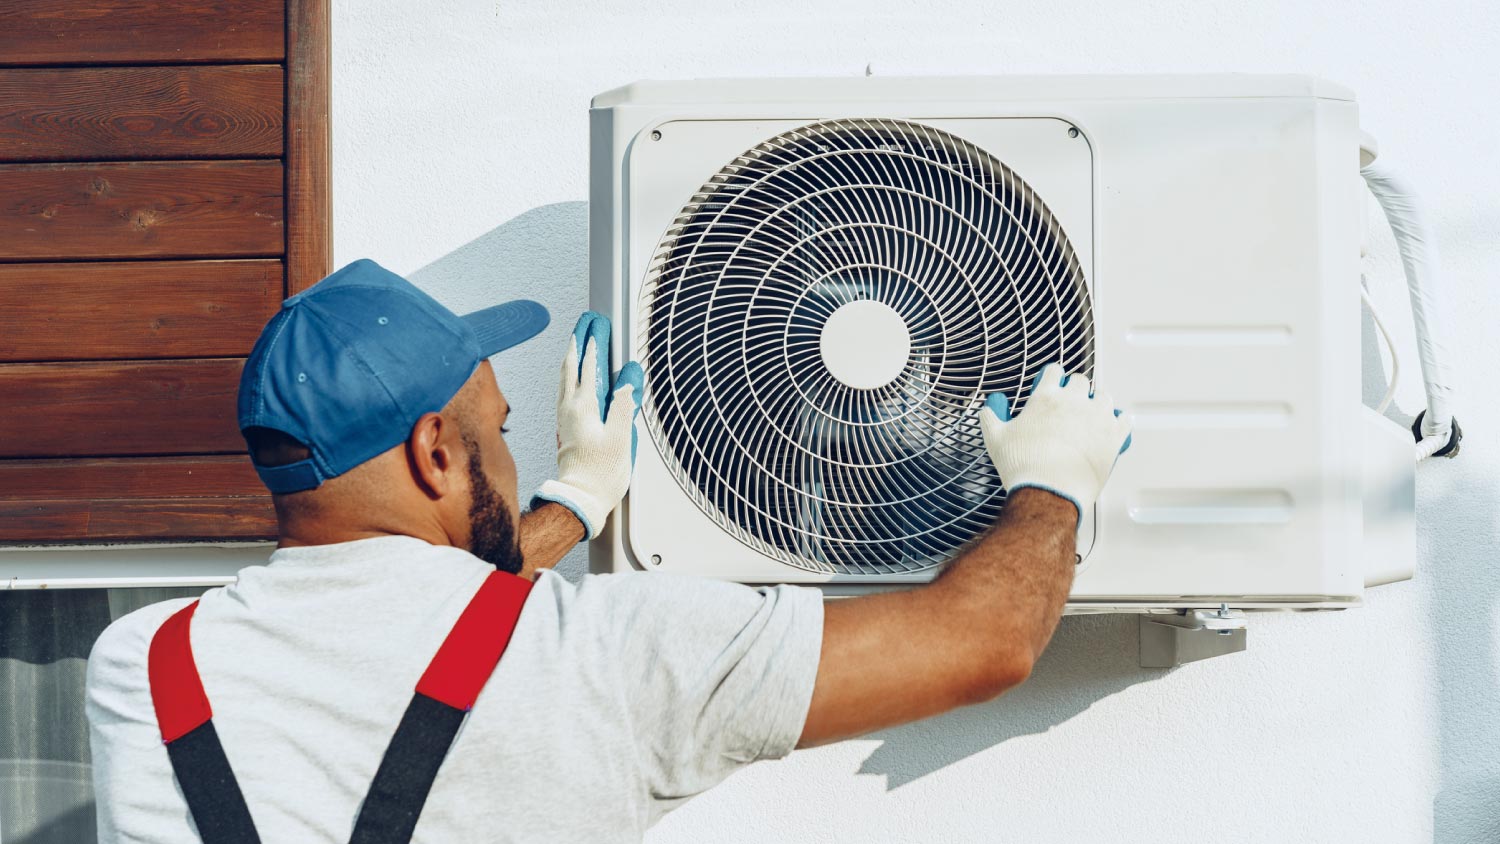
column 824, row 279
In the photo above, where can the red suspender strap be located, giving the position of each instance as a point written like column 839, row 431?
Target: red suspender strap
column 444, row 696
column 181, row 705
column 474, row 645
column 187, row 728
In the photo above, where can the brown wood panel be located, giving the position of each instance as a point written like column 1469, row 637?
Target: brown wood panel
column 153, row 519
column 140, row 210
column 309, row 242
column 110, row 409
column 224, row 476
column 135, row 309
column 38, row 32
column 65, row 114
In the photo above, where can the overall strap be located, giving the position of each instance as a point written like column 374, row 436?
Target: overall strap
column 182, row 712
column 444, row 695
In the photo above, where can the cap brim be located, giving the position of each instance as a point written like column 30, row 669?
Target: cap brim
column 503, row 326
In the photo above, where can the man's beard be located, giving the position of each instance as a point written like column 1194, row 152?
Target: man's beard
column 492, row 532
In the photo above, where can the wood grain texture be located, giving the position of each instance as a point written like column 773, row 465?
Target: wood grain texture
column 144, row 498
column 140, row 210
column 224, row 476
column 67, row 114
column 309, row 240
column 135, row 309
column 112, row 409
column 51, row 32
column 140, row 519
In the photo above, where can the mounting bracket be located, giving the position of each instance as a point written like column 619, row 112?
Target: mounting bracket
column 1168, row 641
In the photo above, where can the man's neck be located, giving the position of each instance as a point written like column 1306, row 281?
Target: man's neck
column 331, row 531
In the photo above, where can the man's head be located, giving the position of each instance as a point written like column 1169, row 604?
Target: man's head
column 371, row 410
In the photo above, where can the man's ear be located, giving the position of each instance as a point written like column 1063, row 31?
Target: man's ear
column 434, row 455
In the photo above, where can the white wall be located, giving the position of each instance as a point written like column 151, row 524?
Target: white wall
column 460, row 158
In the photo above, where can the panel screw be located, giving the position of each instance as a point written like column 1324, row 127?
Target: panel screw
column 1077, row 559
column 655, row 134
column 1073, row 132
column 655, row 559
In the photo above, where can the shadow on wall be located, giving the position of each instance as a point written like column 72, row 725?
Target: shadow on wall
column 1090, row 658
column 1464, row 583
column 541, row 254
column 1466, row 589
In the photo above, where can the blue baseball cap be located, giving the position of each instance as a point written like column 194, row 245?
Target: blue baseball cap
column 349, row 365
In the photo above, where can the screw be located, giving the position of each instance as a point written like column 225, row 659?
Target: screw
column 1077, row 559
column 1073, row 131
column 655, row 134
column 655, row 559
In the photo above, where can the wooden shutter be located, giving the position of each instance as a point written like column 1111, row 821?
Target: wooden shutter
column 163, row 186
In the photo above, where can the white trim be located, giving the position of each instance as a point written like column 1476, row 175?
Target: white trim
column 109, row 566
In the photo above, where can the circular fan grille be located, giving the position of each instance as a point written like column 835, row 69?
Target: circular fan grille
column 745, row 401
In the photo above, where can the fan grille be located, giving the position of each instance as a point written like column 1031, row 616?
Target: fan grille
column 752, row 422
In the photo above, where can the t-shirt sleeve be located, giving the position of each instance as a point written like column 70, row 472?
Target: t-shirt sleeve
column 715, row 675
column 134, row 796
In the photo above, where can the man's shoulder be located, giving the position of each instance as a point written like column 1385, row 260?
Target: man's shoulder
column 120, row 651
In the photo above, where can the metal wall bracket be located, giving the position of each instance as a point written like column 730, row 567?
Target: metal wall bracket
column 1168, row 641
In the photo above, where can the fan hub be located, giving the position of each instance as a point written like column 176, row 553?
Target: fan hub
column 865, row 344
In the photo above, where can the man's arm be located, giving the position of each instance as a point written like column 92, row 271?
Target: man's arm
column 595, row 448
column 547, row 533
column 977, row 630
column 974, row 633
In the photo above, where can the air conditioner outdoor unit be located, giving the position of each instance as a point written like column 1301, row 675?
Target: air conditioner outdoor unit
column 824, row 278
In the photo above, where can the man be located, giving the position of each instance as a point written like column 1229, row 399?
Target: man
column 373, row 415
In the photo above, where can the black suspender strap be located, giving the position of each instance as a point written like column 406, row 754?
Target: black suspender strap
column 405, row 775
column 445, row 694
column 182, row 711
column 211, row 782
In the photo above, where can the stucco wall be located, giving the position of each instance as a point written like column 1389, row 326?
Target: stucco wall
column 460, row 143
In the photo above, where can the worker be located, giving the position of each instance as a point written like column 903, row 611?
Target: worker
column 406, row 667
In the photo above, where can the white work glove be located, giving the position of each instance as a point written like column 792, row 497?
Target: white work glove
column 595, row 431
column 1066, row 441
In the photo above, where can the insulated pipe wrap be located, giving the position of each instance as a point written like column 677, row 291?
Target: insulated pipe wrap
column 1403, row 212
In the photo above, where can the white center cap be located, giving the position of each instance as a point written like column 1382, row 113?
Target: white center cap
column 865, row 344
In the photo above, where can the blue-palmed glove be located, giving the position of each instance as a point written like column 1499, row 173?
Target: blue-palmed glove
column 1066, row 441
column 595, row 428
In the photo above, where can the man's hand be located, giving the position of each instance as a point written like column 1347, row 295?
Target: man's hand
column 1066, row 442
column 977, row 630
column 595, row 430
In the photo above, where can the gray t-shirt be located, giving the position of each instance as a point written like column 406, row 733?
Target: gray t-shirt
column 618, row 698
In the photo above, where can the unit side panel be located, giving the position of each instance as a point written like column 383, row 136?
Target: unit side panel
column 1227, row 271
